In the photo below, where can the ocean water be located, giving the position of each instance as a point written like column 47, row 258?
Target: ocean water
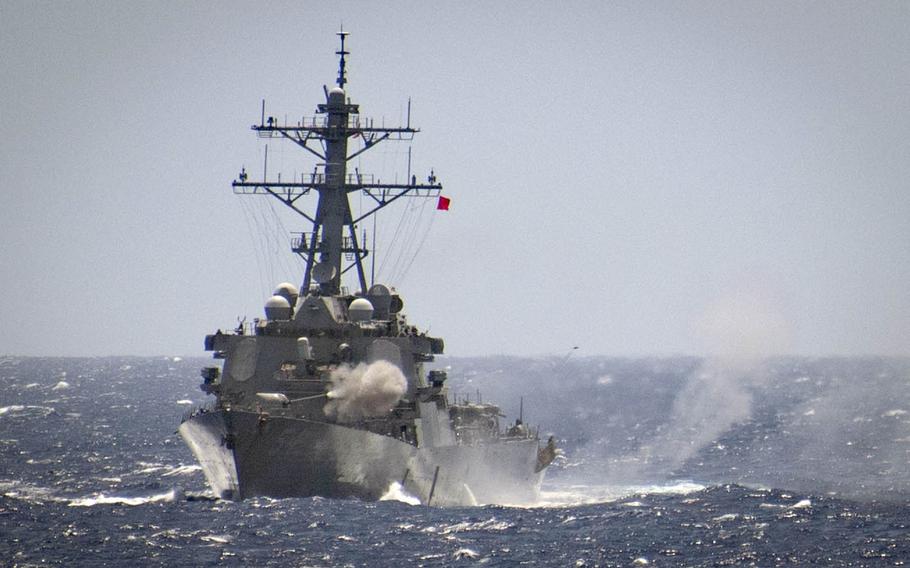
column 666, row 462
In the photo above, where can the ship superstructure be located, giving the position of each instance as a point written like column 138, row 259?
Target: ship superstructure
column 328, row 395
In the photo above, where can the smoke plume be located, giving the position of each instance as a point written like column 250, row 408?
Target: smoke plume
column 364, row 391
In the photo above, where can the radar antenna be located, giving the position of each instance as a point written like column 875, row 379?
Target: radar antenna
column 332, row 247
column 342, row 76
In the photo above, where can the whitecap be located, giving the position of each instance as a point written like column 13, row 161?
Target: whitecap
column 218, row 539
column 26, row 410
column 727, row 517
column 893, row 413
column 182, row 470
column 804, row 504
column 61, row 385
column 17, row 490
column 185, row 402
column 12, row 408
column 102, row 499
column 149, row 467
column 465, row 554
column 572, row 495
column 490, row 524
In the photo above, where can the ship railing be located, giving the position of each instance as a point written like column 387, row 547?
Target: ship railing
column 321, row 178
column 303, row 243
column 318, row 126
column 306, row 122
column 369, row 184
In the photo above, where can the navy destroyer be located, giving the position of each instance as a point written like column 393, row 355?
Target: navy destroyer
column 327, row 395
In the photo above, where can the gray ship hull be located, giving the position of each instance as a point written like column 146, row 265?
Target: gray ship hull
column 243, row 456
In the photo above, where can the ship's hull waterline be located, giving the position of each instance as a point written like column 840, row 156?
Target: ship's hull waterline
column 244, row 455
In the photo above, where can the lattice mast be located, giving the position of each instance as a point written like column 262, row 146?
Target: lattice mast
column 333, row 237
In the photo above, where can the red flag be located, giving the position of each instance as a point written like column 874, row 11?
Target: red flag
column 443, row 203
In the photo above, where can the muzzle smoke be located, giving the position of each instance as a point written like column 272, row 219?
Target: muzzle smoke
column 364, row 391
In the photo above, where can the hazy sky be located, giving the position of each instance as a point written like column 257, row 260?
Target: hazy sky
column 632, row 178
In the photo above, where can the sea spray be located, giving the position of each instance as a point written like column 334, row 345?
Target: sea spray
column 740, row 331
column 396, row 492
column 717, row 396
column 364, row 391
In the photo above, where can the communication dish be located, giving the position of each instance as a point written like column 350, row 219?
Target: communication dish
column 381, row 298
column 379, row 290
column 323, row 273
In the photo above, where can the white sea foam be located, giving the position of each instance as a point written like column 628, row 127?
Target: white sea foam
column 185, row 402
column 182, row 470
column 396, row 492
column 25, row 410
column 572, row 495
column 12, row 408
column 148, row 467
column 491, row 524
column 465, row 554
column 102, row 499
column 15, row 489
column 61, row 385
